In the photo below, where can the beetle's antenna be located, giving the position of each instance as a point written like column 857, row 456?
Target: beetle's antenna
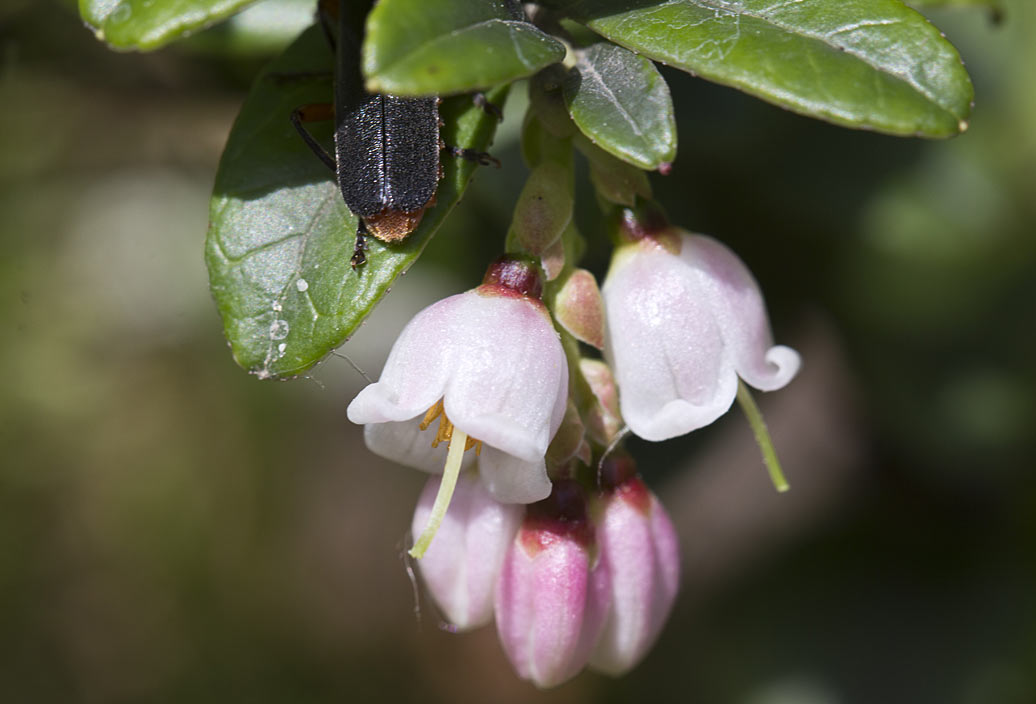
column 353, row 364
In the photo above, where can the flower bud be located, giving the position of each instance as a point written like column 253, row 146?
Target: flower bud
column 579, row 308
column 569, row 439
column 551, row 599
column 613, row 179
column 544, row 207
column 639, row 548
column 603, row 420
column 462, row 564
column 553, row 259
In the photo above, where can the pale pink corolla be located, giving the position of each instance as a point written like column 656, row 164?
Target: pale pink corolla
column 553, row 594
column 685, row 319
column 639, row 547
column 462, row 564
column 493, row 358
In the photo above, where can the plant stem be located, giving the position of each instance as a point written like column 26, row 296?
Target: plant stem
column 762, row 436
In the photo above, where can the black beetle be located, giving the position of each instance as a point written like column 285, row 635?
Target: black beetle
column 387, row 147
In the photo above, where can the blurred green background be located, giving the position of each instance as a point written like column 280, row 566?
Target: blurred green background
column 172, row 529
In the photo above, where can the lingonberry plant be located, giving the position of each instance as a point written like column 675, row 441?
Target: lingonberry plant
column 521, row 391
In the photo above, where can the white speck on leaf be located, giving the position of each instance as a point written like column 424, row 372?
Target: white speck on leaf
column 279, row 330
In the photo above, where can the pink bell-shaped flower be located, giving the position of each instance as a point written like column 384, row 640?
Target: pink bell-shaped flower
column 639, row 547
column 487, row 362
column 685, row 319
column 553, row 594
column 462, row 565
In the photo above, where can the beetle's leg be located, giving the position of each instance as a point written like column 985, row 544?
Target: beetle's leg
column 483, row 158
column 359, row 257
column 315, row 112
column 480, row 100
column 327, row 12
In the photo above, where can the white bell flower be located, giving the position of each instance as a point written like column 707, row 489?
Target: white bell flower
column 684, row 320
column 487, row 363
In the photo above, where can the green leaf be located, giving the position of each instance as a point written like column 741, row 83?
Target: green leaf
column 873, row 64
column 622, row 104
column 280, row 236
column 442, row 47
column 146, row 24
column 547, row 102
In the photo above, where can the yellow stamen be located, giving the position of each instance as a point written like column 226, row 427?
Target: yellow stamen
column 431, row 415
column 444, row 432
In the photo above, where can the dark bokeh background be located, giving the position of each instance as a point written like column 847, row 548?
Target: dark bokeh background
column 172, row 529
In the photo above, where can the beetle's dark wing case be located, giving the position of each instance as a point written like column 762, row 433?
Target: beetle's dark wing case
column 386, row 147
column 360, row 165
column 411, row 151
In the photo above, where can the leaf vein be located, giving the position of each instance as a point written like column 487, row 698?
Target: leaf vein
column 766, row 15
column 610, row 95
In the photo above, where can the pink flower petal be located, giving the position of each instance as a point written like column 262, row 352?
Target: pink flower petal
column 511, row 479
column 404, row 442
column 463, row 563
column 665, row 347
column 639, row 545
column 508, row 384
column 737, row 304
column 549, row 611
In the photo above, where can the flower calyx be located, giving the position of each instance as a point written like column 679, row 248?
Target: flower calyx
column 511, row 275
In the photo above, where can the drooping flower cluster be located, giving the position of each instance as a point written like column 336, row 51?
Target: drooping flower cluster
column 582, row 577
column 550, row 531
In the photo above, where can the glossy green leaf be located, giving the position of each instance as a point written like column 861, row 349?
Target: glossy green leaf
column 149, row 24
column 873, row 64
column 547, row 102
column 622, row 104
column 280, row 236
column 442, row 47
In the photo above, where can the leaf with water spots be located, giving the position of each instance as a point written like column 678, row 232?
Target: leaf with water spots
column 280, row 236
column 149, row 24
